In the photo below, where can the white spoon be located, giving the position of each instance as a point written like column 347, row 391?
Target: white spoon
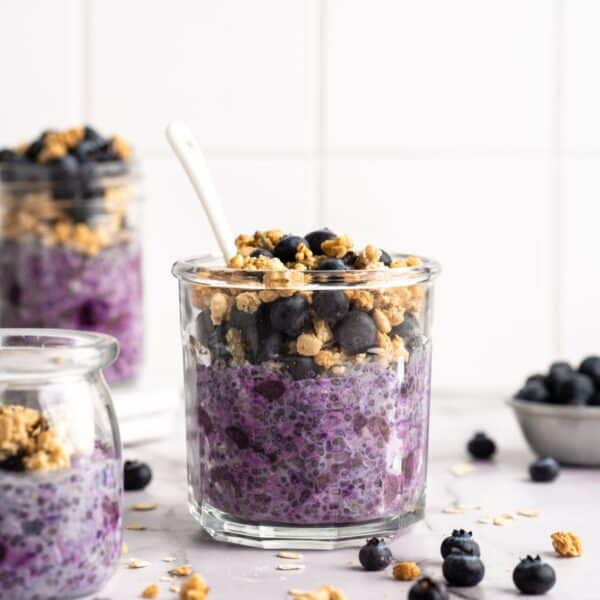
column 188, row 152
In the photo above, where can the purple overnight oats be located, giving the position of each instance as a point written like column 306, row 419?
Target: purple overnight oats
column 307, row 390
column 70, row 254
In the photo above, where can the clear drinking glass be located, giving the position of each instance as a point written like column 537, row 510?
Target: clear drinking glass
column 70, row 253
column 290, row 443
column 60, row 465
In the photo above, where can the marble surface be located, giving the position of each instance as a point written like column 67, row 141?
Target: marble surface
column 569, row 504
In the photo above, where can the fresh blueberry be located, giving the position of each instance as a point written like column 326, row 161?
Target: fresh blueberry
column 356, row 332
column 480, row 446
column 136, row 475
column 463, row 569
column 287, row 247
column 8, row 156
column 316, row 238
column 13, row 463
column 290, row 315
column 409, row 330
column 248, row 324
column 211, row 336
column 331, row 306
column 544, row 469
column 534, row 577
column 93, row 312
column 301, row 367
column 349, row 259
column 271, row 346
column 590, row 366
column 534, row 391
column 558, row 374
column 90, row 134
column 539, row 377
column 375, row 555
column 428, row 589
column 9, row 164
column 576, row 390
column 594, row 400
column 461, row 540
column 333, row 264
column 385, row 258
column 63, row 168
column 261, row 252
column 33, row 150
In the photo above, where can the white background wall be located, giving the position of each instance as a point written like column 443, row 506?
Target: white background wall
column 468, row 130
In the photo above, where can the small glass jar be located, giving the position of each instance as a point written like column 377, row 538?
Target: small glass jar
column 60, row 465
column 307, row 396
column 70, row 253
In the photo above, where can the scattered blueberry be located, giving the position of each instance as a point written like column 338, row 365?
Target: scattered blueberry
column 544, row 469
column 137, row 475
column 532, row 576
column 261, row 252
column 332, row 264
column 480, row 446
column 316, row 238
column 290, row 315
column 375, row 555
column 93, row 312
column 578, row 389
column 301, row 367
column 558, row 374
column 461, row 540
column 356, row 332
column 428, row 589
column 286, row 250
column 533, row 391
column 463, row 569
column 590, row 366
column 385, row 258
column 331, row 306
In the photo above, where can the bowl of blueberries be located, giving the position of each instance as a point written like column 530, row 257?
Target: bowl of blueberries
column 559, row 412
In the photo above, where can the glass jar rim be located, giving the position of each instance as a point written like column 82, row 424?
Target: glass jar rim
column 44, row 353
column 30, row 172
column 208, row 270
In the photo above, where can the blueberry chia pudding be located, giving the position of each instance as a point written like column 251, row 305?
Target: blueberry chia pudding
column 70, row 254
column 60, row 513
column 307, row 382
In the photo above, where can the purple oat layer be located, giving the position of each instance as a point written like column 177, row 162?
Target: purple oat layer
column 60, row 287
column 329, row 451
column 60, row 531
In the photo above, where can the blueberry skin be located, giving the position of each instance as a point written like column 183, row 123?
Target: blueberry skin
column 211, row 336
column 594, row 400
column 544, row 470
column 385, row 258
column 463, row 570
column 558, row 374
column 271, row 346
column 539, row 377
column 316, row 238
column 428, row 589
column 481, row 447
column 13, row 463
column 290, row 315
column 375, row 555
column 534, row 391
column 286, row 250
column 331, row 306
column 301, row 367
column 8, row 156
column 576, row 390
column 136, row 475
column 261, row 252
column 534, row 577
column 33, row 150
column 409, row 330
column 333, row 264
column 590, row 366
column 356, row 332
column 461, row 540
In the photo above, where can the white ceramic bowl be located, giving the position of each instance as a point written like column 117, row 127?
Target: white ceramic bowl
column 570, row 434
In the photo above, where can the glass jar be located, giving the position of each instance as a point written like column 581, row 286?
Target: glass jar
column 307, row 401
column 60, row 465
column 70, row 253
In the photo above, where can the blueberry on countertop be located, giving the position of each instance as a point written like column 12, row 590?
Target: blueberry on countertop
column 463, row 569
column 290, row 315
column 461, row 540
column 356, row 332
column 316, row 238
column 136, row 475
column 331, row 306
column 333, row 264
column 428, row 589
column 480, row 446
column 590, row 366
column 287, row 247
column 385, row 258
column 375, row 555
column 533, row 391
column 533, row 576
column 544, row 469
column 301, row 367
column 261, row 252
column 578, row 389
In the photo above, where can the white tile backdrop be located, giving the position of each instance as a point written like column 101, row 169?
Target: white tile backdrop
column 467, row 130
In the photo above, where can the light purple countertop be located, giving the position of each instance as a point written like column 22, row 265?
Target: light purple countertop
column 569, row 504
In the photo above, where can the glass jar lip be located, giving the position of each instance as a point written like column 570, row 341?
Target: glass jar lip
column 43, row 353
column 208, row 270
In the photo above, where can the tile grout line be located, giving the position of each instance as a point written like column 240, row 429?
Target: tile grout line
column 320, row 111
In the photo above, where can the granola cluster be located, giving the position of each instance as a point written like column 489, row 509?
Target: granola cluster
column 325, row 592
column 28, row 442
column 566, row 543
column 194, row 588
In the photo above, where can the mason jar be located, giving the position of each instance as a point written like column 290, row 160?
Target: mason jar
column 307, row 400
column 60, row 465
column 70, row 252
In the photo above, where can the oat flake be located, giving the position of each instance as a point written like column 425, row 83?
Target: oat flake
column 461, row 469
column 135, row 527
column 290, row 555
column 144, row 506
column 135, row 563
column 289, row 567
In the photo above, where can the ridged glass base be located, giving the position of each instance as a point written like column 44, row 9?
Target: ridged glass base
column 224, row 528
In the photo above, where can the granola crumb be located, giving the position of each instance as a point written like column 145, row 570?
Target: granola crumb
column 338, row 247
column 143, row 506
column 323, row 331
column 290, row 567
column 361, row 299
column 529, row 513
column 166, row 578
column 248, row 302
column 369, row 258
column 236, row 344
column 168, row 559
column 328, row 358
column 308, row 344
column 325, row 592
column 193, row 588
column 290, row 555
column 462, row 469
column 567, row 543
column 135, row 527
column 406, row 571
column 124, row 549
column 219, row 307
column 181, row 571
column 381, row 321
column 152, row 591
column 135, row 563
